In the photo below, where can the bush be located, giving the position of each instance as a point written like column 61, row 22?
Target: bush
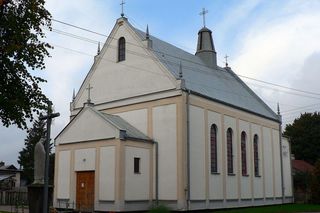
column 315, row 184
column 159, row 209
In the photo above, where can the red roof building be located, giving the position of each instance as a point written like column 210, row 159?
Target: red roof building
column 301, row 166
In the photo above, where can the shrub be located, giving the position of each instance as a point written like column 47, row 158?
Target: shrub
column 315, row 184
column 159, row 209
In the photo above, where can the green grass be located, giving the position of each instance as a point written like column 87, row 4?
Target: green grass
column 287, row 208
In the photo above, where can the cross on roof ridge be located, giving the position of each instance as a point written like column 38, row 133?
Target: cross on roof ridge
column 122, row 3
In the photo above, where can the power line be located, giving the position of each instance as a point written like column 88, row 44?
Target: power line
column 277, row 85
column 167, row 61
column 81, row 28
column 92, row 41
column 299, row 108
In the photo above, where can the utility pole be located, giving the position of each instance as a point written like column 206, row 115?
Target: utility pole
column 47, row 117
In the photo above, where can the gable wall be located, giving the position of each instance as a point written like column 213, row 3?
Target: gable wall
column 140, row 73
column 79, row 130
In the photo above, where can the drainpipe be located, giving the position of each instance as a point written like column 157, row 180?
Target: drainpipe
column 157, row 171
column 281, row 159
column 188, row 149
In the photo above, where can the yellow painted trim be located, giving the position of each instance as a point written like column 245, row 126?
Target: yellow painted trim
column 262, row 164
column 239, row 157
column 207, row 161
column 223, row 169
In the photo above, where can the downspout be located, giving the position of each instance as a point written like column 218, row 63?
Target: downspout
column 281, row 160
column 188, row 149
column 157, row 171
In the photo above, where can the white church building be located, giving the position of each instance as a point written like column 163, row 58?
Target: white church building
column 153, row 124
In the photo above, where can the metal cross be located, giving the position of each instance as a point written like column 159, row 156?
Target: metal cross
column 226, row 57
column 89, row 88
column 122, row 3
column 203, row 13
column 49, row 118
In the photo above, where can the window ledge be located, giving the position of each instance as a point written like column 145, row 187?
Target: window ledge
column 231, row 174
column 258, row 176
column 215, row 173
column 245, row 175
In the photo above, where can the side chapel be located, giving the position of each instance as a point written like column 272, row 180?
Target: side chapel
column 163, row 126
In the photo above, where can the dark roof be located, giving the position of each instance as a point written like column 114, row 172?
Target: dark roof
column 302, row 166
column 8, row 167
column 219, row 84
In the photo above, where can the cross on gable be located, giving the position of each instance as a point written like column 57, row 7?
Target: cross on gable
column 122, row 3
column 89, row 89
column 226, row 57
column 203, row 13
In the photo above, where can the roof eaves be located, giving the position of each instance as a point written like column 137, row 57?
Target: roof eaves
column 231, row 105
column 252, row 93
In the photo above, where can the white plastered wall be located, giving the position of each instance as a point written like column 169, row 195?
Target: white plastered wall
column 107, row 173
column 231, row 180
column 85, row 127
column 138, row 74
column 197, row 154
column 286, row 158
column 137, row 186
column 257, row 181
column 277, row 162
column 245, row 180
column 215, row 180
column 85, row 159
column 165, row 133
column 63, row 183
column 268, row 162
column 137, row 118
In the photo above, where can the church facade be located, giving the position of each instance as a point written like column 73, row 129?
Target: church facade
column 153, row 124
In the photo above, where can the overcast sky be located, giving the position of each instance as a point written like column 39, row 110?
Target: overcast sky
column 270, row 40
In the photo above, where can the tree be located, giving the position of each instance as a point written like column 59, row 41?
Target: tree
column 22, row 49
column 26, row 156
column 304, row 135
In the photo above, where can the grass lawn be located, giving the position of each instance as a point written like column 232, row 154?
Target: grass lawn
column 276, row 209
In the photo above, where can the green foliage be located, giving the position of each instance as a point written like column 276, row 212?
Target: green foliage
column 159, row 209
column 304, row 135
column 286, row 208
column 26, row 156
column 315, row 184
column 302, row 180
column 22, row 49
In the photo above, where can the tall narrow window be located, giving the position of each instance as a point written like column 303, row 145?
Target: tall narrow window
column 229, row 151
column 136, row 166
column 243, row 153
column 213, row 147
column 122, row 49
column 256, row 155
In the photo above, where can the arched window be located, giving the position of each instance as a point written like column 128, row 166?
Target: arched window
column 122, row 49
column 243, row 153
column 229, row 151
column 213, row 147
column 256, row 155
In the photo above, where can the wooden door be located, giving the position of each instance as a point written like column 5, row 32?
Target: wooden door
column 85, row 191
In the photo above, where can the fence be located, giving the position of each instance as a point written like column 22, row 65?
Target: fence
column 16, row 197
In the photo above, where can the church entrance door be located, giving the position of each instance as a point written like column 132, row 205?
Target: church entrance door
column 85, row 191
